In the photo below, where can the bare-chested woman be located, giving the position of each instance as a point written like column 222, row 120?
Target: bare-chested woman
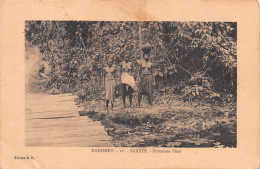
column 146, row 76
column 110, row 81
column 127, row 79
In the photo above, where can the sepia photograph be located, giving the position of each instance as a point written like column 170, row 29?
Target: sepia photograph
column 130, row 84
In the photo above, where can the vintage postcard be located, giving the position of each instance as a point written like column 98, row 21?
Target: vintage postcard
column 129, row 84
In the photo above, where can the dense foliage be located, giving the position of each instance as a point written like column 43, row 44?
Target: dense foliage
column 195, row 59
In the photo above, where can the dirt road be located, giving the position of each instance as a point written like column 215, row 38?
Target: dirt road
column 53, row 120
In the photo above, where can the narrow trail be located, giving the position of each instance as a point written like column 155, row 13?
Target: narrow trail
column 53, row 120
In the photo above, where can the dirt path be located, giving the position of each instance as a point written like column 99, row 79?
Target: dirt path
column 53, row 120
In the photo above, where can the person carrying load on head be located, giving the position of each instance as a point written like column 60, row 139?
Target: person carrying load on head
column 145, row 75
column 127, row 80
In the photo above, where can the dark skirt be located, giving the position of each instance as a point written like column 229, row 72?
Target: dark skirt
column 127, row 90
column 146, row 85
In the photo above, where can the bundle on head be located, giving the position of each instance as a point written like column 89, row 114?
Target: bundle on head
column 146, row 48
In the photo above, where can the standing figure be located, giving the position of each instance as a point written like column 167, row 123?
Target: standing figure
column 41, row 71
column 127, row 79
column 146, row 76
column 110, row 81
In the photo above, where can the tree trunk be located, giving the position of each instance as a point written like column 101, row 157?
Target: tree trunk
column 140, row 39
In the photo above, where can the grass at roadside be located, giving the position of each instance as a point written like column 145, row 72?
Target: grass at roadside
column 178, row 124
